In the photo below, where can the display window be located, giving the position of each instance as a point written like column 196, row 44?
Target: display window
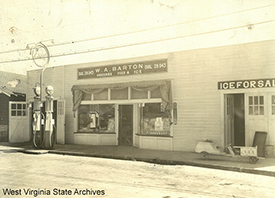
column 154, row 120
column 96, row 118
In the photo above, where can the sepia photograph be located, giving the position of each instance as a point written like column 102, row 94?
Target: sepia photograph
column 137, row 98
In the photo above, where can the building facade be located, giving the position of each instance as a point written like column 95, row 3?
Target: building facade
column 167, row 101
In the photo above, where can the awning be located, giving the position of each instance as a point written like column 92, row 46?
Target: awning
column 6, row 92
column 163, row 85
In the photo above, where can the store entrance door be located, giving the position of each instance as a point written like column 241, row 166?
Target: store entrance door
column 234, row 115
column 125, row 134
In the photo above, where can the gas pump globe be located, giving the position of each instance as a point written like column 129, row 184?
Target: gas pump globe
column 49, row 99
column 37, row 91
column 49, row 90
column 37, row 102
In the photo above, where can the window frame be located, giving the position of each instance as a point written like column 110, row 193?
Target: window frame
column 129, row 97
column 97, row 129
column 17, row 111
column 256, row 105
column 165, row 133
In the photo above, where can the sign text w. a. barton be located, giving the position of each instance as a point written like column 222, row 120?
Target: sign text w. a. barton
column 136, row 68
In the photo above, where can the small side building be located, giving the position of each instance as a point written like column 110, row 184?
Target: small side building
column 13, row 107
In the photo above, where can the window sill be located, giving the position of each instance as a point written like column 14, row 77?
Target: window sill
column 155, row 135
column 102, row 133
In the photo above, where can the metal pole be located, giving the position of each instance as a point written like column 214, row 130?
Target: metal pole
column 41, row 84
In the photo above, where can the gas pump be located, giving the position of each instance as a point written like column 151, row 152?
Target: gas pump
column 43, row 125
column 49, row 135
column 43, row 136
column 38, row 118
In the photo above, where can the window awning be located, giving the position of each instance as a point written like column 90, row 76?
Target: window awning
column 163, row 85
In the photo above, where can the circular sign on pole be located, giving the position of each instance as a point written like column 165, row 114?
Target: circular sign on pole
column 40, row 55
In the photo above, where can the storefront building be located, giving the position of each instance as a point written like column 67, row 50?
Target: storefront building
column 168, row 101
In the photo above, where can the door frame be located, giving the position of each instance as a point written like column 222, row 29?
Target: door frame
column 229, row 135
column 234, row 131
column 60, row 121
column 222, row 113
column 118, row 123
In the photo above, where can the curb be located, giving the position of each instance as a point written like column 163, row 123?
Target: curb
column 33, row 151
column 167, row 162
column 141, row 159
column 13, row 150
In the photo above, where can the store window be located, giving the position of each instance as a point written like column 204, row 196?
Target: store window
column 102, row 95
column 119, row 94
column 154, row 120
column 96, row 118
column 156, row 93
column 138, row 94
column 86, row 96
column 256, row 105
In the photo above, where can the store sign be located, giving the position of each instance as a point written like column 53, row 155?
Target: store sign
column 247, row 84
column 136, row 68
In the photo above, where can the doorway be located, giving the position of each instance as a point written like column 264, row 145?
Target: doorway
column 234, row 114
column 125, row 134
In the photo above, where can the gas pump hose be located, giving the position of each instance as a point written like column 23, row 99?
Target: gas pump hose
column 34, row 132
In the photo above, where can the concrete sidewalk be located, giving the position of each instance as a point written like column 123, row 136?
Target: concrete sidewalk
column 264, row 166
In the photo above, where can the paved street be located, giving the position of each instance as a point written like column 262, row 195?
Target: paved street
column 50, row 175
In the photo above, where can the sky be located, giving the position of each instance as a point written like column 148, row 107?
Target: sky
column 81, row 31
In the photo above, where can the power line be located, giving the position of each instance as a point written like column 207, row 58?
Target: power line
column 134, row 44
column 138, row 31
